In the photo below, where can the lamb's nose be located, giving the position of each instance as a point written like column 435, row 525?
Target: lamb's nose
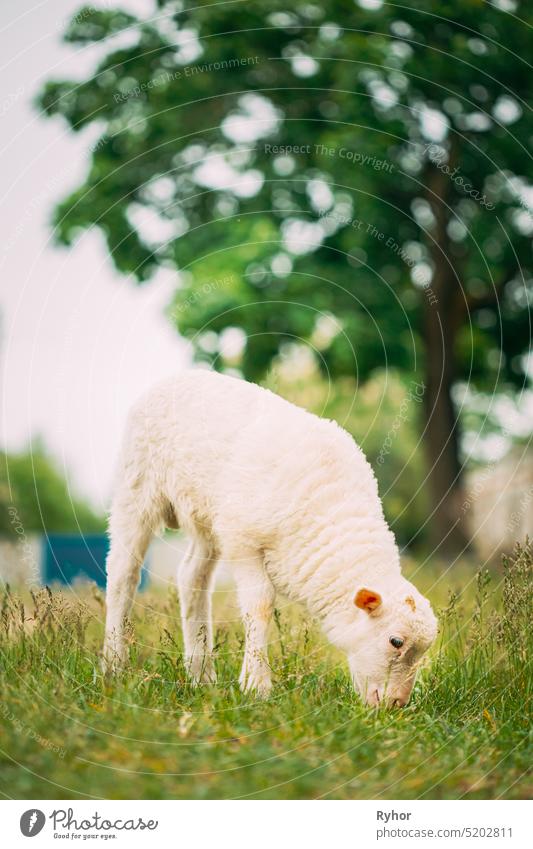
column 399, row 702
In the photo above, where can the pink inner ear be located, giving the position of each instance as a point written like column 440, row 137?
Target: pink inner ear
column 411, row 602
column 367, row 600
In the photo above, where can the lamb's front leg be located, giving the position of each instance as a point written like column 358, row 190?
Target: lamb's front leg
column 256, row 599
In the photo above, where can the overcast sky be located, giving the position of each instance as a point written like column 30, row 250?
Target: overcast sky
column 78, row 343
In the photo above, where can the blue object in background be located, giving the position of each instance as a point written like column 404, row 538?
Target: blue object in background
column 70, row 557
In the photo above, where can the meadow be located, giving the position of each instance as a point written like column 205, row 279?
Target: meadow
column 69, row 733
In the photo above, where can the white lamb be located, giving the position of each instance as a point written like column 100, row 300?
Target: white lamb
column 290, row 503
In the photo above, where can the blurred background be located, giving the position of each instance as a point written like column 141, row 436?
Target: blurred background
column 335, row 200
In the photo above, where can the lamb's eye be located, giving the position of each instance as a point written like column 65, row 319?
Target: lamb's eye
column 397, row 642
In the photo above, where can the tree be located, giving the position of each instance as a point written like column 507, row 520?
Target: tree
column 34, row 496
column 303, row 164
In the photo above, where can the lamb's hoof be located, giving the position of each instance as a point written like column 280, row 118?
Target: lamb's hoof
column 112, row 662
column 206, row 677
column 257, row 683
column 203, row 673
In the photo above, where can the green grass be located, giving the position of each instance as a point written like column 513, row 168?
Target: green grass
column 149, row 734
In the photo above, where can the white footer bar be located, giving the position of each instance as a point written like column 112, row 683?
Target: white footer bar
column 268, row 824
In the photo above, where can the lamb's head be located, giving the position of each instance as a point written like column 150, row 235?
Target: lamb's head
column 394, row 629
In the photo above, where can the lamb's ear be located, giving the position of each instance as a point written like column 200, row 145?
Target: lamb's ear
column 368, row 600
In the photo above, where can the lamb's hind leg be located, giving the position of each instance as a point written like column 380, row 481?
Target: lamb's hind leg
column 195, row 584
column 130, row 537
column 256, row 599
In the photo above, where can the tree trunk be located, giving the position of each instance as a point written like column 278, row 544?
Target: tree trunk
column 441, row 434
column 444, row 307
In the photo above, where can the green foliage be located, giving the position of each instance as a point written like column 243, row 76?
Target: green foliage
column 149, row 734
column 34, row 495
column 354, row 90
